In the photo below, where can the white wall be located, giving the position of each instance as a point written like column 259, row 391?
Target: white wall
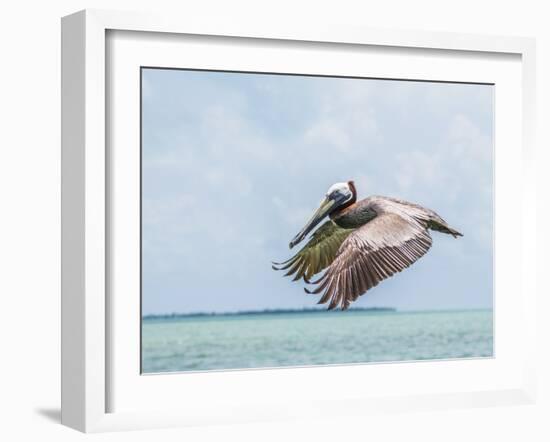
column 30, row 221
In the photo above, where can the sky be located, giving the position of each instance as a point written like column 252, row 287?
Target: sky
column 233, row 165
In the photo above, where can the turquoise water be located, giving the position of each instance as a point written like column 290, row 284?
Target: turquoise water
column 276, row 340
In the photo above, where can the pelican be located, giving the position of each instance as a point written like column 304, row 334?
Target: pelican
column 362, row 243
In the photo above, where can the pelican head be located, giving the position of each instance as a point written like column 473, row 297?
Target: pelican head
column 338, row 196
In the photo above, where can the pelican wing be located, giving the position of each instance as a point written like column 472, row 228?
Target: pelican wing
column 377, row 250
column 318, row 252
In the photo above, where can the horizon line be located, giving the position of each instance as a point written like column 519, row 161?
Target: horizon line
column 304, row 310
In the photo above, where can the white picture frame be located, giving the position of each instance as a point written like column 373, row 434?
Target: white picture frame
column 87, row 355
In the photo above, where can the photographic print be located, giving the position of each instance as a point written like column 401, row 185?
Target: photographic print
column 297, row 220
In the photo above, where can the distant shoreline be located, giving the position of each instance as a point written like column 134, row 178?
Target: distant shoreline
column 261, row 312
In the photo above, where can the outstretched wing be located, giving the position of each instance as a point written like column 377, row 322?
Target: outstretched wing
column 317, row 254
column 377, row 250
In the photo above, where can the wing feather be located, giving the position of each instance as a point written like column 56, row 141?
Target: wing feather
column 317, row 254
column 384, row 246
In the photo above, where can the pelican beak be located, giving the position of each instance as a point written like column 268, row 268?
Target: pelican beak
column 324, row 209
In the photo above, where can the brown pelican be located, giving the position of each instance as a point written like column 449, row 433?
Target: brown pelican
column 363, row 243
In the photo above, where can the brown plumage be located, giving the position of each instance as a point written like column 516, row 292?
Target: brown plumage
column 362, row 244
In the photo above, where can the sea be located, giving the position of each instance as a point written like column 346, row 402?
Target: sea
column 275, row 339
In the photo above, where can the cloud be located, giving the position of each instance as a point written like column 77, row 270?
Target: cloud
column 344, row 120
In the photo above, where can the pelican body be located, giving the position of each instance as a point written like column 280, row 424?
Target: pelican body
column 362, row 243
